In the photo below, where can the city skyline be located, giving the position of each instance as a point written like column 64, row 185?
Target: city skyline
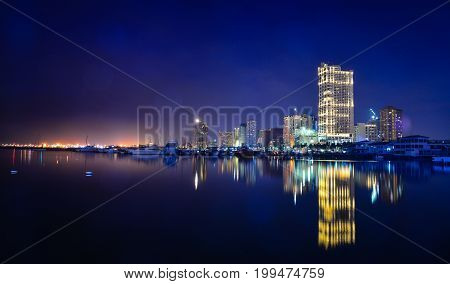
column 267, row 57
column 224, row 140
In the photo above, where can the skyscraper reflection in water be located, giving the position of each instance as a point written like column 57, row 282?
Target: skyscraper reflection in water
column 336, row 198
column 299, row 177
column 334, row 182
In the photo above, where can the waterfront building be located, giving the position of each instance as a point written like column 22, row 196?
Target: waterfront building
column 263, row 138
column 413, row 146
column 391, row 126
column 276, row 138
column 200, row 134
column 371, row 131
column 236, row 137
column 336, row 108
column 226, row 139
column 360, row 132
column 243, row 134
column 251, row 133
column 365, row 132
column 299, row 129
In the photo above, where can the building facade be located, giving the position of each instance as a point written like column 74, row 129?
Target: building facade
column 200, row 135
column 226, row 139
column 276, row 138
column 336, row 108
column 365, row 132
column 243, row 134
column 251, row 133
column 299, row 129
column 236, row 137
column 391, row 125
column 263, row 138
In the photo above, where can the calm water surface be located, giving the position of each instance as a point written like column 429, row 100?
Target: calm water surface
column 220, row 210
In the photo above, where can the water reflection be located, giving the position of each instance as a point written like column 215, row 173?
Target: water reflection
column 336, row 198
column 298, row 178
column 333, row 183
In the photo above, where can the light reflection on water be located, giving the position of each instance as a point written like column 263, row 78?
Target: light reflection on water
column 332, row 183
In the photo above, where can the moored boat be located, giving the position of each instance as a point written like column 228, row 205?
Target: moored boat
column 212, row 151
column 171, row 148
column 149, row 150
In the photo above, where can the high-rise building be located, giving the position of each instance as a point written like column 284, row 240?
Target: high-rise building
column 251, row 133
column 200, row 135
column 276, row 137
column 236, row 137
column 336, row 109
column 263, row 138
column 226, row 139
column 299, row 129
column 391, row 126
column 243, row 134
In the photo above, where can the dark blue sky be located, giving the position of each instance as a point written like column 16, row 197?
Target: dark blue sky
column 213, row 53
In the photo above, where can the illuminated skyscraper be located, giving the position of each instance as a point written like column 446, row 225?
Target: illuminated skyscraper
column 391, row 126
column 251, row 133
column 336, row 109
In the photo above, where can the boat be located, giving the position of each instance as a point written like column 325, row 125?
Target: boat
column 212, row 151
column 246, row 152
column 87, row 148
column 112, row 150
column 148, row 150
column 171, row 148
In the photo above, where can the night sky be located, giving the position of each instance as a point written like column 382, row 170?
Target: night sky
column 213, row 53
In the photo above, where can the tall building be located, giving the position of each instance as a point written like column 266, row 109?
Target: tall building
column 391, row 126
column 371, row 131
column 263, row 137
column 200, row 135
column 243, row 134
column 336, row 108
column 251, row 133
column 299, row 129
column 226, row 139
column 276, row 138
column 236, row 137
